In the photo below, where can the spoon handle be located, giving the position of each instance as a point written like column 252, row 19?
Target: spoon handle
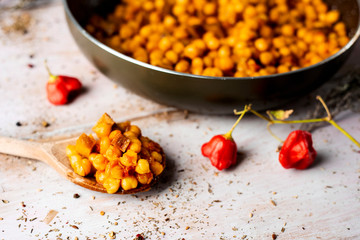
column 23, row 148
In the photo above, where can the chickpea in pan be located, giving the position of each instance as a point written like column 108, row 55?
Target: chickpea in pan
column 230, row 37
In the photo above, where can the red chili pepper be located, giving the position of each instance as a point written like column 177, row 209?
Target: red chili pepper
column 60, row 88
column 297, row 151
column 221, row 150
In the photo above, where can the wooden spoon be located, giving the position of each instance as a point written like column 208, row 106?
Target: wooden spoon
column 53, row 154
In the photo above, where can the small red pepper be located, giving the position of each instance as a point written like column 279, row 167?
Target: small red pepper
column 61, row 88
column 297, row 151
column 221, row 150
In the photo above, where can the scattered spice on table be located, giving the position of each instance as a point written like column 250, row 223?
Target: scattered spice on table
column 74, row 226
column 273, row 203
column 50, row 216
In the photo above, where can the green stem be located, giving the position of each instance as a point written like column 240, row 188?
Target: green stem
column 229, row 133
column 283, row 121
column 271, row 133
column 332, row 122
column 52, row 77
column 328, row 119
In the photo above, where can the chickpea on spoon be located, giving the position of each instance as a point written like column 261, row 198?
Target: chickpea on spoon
column 120, row 160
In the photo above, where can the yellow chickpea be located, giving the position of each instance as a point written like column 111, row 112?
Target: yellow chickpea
column 266, row 58
column 73, row 159
column 129, row 183
column 315, row 59
column 148, row 6
column 141, row 55
column 209, row 8
column 199, row 44
column 169, row 22
column 211, row 20
column 142, row 166
column 100, row 176
column 114, row 133
column 182, row 66
column 340, row 29
column 193, row 21
column 278, row 42
column 224, row 51
column 212, row 43
column 180, row 33
column 117, row 172
column 178, row 47
column 266, row 31
column 111, row 185
column 196, row 71
column 144, row 178
column 157, row 156
column 332, row 17
column 104, row 144
column 129, row 158
column 159, row 4
column 287, row 30
column 212, row 72
column 343, row 40
column 151, row 46
column 98, row 161
column 126, row 32
column 156, row 55
column 197, row 63
column 165, row 43
column 112, row 153
column 191, row 51
column 208, row 61
column 145, row 31
column 115, row 41
column 271, row 69
column 321, row 8
column 156, row 168
column 249, row 12
column 70, row 151
column 135, row 145
column 319, row 37
column 226, row 64
column 82, row 166
column 261, row 44
column 172, row 56
column 240, row 74
column 179, row 10
column 285, row 51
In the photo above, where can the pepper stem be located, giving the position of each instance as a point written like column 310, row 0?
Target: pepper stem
column 228, row 135
column 271, row 121
column 51, row 76
column 329, row 117
column 332, row 122
column 271, row 133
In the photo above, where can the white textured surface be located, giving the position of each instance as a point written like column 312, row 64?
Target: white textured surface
column 193, row 200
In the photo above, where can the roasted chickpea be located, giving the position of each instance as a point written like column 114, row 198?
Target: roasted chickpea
column 175, row 34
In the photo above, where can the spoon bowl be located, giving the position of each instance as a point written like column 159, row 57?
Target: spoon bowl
column 53, row 154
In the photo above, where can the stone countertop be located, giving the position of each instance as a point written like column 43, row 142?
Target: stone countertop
column 256, row 199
